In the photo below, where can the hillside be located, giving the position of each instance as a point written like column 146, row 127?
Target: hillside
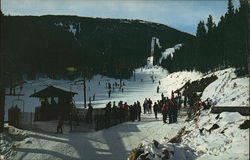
column 48, row 44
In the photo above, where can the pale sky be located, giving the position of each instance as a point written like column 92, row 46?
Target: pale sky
column 183, row 15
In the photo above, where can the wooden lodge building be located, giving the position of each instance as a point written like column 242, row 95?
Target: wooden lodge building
column 54, row 102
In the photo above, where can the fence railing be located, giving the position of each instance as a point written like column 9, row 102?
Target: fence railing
column 98, row 121
column 243, row 110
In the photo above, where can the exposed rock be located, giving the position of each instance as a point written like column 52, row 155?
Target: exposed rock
column 245, row 124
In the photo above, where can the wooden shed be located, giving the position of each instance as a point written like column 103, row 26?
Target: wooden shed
column 54, row 102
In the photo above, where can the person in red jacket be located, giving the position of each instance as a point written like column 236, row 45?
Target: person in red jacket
column 165, row 109
column 60, row 124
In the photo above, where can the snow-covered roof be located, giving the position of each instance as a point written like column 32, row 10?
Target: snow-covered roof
column 52, row 91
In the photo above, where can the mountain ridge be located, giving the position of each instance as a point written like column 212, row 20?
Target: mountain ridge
column 114, row 45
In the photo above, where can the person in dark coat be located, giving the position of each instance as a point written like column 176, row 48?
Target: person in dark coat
column 138, row 110
column 71, row 121
column 109, row 93
column 185, row 101
column 121, row 112
column 162, row 96
column 108, row 114
column 131, row 112
column 158, row 88
column 150, row 105
column 145, row 105
column 115, row 110
column 89, row 114
column 156, row 108
column 172, row 94
column 175, row 110
column 171, row 110
column 134, row 112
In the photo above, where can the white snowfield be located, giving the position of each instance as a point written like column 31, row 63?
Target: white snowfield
column 169, row 52
column 232, row 144
column 226, row 142
column 116, row 143
column 228, row 90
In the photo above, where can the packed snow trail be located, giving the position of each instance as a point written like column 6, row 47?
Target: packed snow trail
column 114, row 143
column 134, row 89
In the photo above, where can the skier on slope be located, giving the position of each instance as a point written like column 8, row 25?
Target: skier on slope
column 109, row 93
column 158, row 88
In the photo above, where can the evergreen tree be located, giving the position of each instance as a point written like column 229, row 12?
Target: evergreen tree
column 225, row 45
column 201, row 30
column 230, row 7
column 210, row 24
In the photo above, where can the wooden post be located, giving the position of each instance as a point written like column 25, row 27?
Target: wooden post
column 84, row 89
column 2, row 85
column 2, row 93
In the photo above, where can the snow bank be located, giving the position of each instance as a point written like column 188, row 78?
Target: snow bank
column 177, row 80
column 9, row 140
column 226, row 142
column 168, row 151
column 228, row 90
column 203, row 140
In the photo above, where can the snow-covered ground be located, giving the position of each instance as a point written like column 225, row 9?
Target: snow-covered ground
column 114, row 143
column 228, row 90
column 134, row 89
column 226, row 142
column 169, row 52
column 118, row 141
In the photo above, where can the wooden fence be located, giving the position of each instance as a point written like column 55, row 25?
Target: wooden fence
column 243, row 110
column 98, row 121
column 19, row 119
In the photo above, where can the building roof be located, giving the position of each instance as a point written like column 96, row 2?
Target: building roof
column 52, row 91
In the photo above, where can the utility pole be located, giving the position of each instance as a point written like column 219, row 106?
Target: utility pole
column 84, row 73
column 84, row 89
column 134, row 75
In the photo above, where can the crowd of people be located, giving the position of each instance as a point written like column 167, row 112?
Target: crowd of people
column 113, row 86
column 169, row 107
column 122, row 112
